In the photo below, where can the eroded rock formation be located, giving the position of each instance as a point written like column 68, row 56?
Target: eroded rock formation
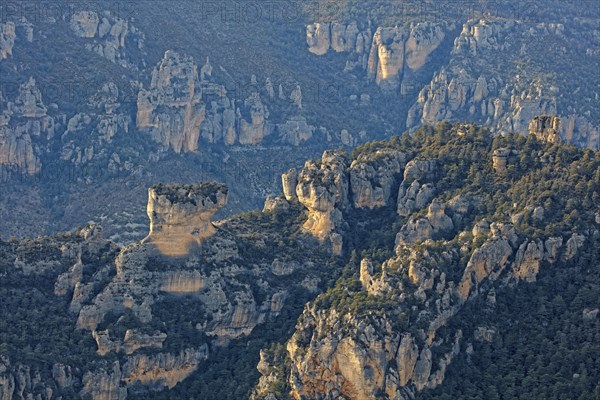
column 503, row 102
column 180, row 215
column 384, row 55
column 7, row 39
column 21, row 123
column 172, row 106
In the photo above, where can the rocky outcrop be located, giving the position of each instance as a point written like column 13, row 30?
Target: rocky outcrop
column 508, row 101
column 172, row 108
column 254, row 131
column 108, row 36
column 182, row 107
column 502, row 158
column 340, row 353
column 7, row 39
column 360, row 360
column 85, row 24
column 19, row 381
column 20, row 123
column 374, row 178
column 546, row 128
column 180, row 215
column 163, row 369
column 423, row 39
column 435, row 224
column 384, row 56
column 528, row 260
column 487, row 262
column 323, row 189
column 289, row 182
column 386, row 59
column 182, row 282
column 102, row 123
column 295, row 131
column 318, row 38
column 574, row 243
column 413, row 197
column 132, row 342
column 420, row 170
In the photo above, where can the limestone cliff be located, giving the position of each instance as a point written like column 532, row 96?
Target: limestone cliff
column 384, row 55
column 183, row 107
column 374, row 178
column 108, row 36
column 172, row 106
column 339, row 353
column 505, row 102
column 104, row 120
column 323, row 189
column 22, row 122
column 7, row 39
column 180, row 216
column 384, row 329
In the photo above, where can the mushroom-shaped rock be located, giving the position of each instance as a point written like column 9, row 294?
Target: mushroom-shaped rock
column 180, row 215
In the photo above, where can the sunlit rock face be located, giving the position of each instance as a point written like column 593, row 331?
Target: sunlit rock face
column 387, row 57
column 172, row 108
column 21, row 121
column 180, row 215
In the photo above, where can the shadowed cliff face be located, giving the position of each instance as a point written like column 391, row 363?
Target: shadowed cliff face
column 180, row 216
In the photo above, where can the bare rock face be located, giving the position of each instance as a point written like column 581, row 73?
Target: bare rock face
column 29, row 104
column 419, row 229
column 421, row 170
column 161, row 370
column 23, row 120
column 180, row 215
column 436, row 214
column 85, row 23
column 546, row 128
column 353, row 358
column 574, row 243
column 318, row 38
column 373, row 178
column 323, row 189
column 340, row 38
column 254, row 132
column 172, row 108
column 104, row 384
column 295, row 131
column 423, row 39
column 132, row 342
column 414, row 196
column 501, row 158
column 106, row 35
column 408, row 353
column 182, row 282
column 290, row 181
column 7, row 39
column 18, row 381
column 105, row 120
column 488, row 261
column 164, row 369
column 507, row 103
column 63, row 376
column 385, row 55
column 386, row 60
column 181, row 107
column 527, row 261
